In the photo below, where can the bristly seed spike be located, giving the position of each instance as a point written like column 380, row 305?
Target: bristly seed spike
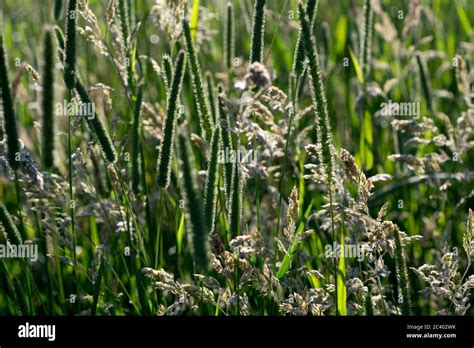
column 172, row 104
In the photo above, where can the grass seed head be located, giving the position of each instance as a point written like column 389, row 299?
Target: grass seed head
column 323, row 126
column 197, row 82
column 172, row 105
column 299, row 57
column 48, row 128
column 212, row 181
column 366, row 43
column 9, row 118
column 229, row 37
column 136, row 143
column 96, row 126
column 20, row 297
column 194, row 217
column 70, row 45
column 9, row 228
column 167, row 71
column 258, row 32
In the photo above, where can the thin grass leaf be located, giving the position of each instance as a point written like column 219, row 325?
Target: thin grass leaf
column 179, row 234
column 341, row 281
column 425, row 85
column 193, row 24
column 59, row 42
column 357, row 68
column 58, row 7
column 463, row 18
column 98, row 282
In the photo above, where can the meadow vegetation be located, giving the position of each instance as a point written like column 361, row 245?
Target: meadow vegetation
column 245, row 157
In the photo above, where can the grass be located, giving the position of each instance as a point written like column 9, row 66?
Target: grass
column 238, row 159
